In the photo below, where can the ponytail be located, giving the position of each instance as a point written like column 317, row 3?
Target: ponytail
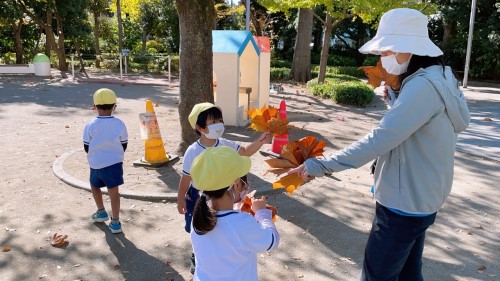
column 204, row 218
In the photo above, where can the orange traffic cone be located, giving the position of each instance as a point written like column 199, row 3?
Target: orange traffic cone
column 154, row 152
column 280, row 141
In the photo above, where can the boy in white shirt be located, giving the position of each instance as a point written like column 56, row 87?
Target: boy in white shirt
column 105, row 140
column 225, row 241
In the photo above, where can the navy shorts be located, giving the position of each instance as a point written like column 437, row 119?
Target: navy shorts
column 192, row 196
column 111, row 176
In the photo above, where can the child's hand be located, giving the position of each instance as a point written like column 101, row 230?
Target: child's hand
column 258, row 204
column 181, row 206
column 266, row 137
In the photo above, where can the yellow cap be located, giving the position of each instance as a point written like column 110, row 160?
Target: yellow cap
column 218, row 167
column 197, row 109
column 104, row 96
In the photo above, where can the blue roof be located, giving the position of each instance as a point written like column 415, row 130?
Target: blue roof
column 232, row 41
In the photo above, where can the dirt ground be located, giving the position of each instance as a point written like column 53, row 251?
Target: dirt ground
column 323, row 226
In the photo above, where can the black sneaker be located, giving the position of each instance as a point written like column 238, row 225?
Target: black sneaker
column 193, row 264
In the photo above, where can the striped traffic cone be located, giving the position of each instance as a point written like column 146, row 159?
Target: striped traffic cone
column 280, row 141
column 154, row 152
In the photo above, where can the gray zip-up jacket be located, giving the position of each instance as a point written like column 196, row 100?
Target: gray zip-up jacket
column 414, row 143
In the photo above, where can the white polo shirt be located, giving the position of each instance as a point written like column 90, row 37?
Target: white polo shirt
column 229, row 251
column 105, row 135
column 197, row 148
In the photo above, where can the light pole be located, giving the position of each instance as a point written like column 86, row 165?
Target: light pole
column 247, row 22
column 469, row 42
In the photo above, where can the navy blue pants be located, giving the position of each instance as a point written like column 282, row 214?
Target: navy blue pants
column 395, row 246
column 192, row 196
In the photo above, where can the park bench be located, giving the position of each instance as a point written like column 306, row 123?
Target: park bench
column 17, row 68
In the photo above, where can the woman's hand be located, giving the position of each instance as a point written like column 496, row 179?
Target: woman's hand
column 302, row 172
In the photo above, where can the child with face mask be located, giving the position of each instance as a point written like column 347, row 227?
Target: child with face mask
column 206, row 119
column 226, row 242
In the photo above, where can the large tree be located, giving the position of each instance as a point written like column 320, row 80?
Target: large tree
column 97, row 8
column 335, row 13
column 196, row 22
column 52, row 16
column 12, row 16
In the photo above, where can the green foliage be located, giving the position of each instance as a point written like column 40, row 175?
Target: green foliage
column 280, row 73
column 454, row 18
column 341, row 70
column 343, row 90
column 334, row 60
column 281, row 63
column 8, row 58
column 371, row 60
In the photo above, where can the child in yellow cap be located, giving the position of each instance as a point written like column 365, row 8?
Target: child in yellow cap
column 105, row 140
column 225, row 241
column 206, row 119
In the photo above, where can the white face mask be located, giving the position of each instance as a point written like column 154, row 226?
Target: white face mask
column 392, row 66
column 215, row 131
column 238, row 196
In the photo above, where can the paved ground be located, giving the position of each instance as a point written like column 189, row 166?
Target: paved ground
column 324, row 226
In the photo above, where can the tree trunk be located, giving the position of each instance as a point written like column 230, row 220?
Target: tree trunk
column 144, row 40
column 448, row 32
column 256, row 24
column 196, row 21
column 79, row 54
column 97, row 30
column 18, row 43
column 327, row 34
column 61, row 53
column 301, row 65
column 120, row 25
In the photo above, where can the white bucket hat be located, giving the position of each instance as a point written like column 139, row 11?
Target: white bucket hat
column 402, row 30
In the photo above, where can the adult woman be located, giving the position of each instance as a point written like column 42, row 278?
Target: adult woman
column 414, row 146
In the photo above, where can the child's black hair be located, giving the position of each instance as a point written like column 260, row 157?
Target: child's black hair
column 211, row 113
column 204, row 218
column 105, row 106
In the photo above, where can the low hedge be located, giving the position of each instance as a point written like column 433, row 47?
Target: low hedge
column 280, row 73
column 349, row 91
column 338, row 70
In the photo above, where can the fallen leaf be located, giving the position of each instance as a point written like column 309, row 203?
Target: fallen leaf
column 481, row 268
column 59, row 240
column 469, row 231
column 67, row 126
column 5, row 249
column 487, row 119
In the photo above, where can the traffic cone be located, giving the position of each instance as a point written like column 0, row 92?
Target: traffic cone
column 280, row 141
column 154, row 151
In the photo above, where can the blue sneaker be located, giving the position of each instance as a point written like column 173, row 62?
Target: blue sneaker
column 115, row 228
column 100, row 217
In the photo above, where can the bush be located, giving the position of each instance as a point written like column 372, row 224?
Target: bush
column 337, row 60
column 371, row 60
column 110, row 64
column 343, row 91
column 281, row 63
column 280, row 73
column 341, row 70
